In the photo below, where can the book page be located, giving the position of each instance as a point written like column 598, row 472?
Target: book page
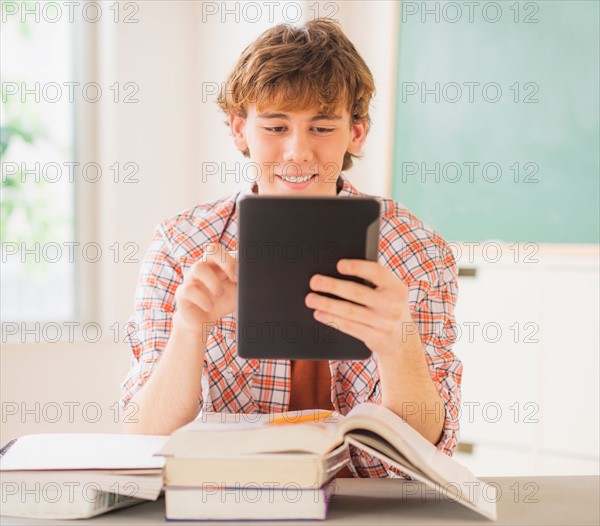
column 83, row 451
column 414, row 455
column 225, row 434
column 474, row 494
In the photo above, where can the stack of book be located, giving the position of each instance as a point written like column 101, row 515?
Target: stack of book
column 260, row 469
column 247, row 483
column 272, row 468
column 78, row 475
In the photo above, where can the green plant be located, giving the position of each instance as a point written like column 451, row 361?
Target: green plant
column 27, row 211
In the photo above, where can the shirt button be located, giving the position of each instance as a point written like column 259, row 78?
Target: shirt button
column 229, row 372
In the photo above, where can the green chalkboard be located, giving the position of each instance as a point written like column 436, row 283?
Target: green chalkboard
column 497, row 120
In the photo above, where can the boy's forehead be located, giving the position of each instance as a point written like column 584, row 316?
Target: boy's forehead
column 315, row 113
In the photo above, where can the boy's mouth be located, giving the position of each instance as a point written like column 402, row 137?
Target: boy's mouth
column 301, row 180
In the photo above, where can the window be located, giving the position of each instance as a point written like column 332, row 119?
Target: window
column 38, row 177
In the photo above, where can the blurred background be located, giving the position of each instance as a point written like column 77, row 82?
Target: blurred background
column 485, row 125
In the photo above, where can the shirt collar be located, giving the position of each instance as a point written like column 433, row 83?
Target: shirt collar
column 344, row 187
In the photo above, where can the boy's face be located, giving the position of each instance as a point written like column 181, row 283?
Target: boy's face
column 296, row 144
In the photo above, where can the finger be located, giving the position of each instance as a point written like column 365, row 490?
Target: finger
column 209, row 275
column 348, row 311
column 358, row 330
column 372, row 271
column 231, row 265
column 196, row 294
column 345, row 289
column 209, row 251
column 216, row 254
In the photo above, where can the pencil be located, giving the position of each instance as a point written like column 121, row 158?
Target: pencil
column 286, row 418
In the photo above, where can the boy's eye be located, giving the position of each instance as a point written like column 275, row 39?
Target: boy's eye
column 279, row 129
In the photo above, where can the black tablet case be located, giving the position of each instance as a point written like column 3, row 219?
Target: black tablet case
column 283, row 242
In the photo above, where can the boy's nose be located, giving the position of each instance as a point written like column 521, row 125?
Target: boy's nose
column 298, row 149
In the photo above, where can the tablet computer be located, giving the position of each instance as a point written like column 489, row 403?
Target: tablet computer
column 282, row 243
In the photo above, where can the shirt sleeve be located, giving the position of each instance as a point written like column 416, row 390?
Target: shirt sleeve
column 434, row 315
column 149, row 327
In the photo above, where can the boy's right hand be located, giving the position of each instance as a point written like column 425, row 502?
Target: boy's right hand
column 208, row 291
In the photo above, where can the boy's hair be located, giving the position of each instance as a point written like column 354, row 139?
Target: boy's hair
column 301, row 68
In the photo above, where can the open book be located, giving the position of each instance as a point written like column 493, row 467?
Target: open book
column 369, row 427
column 78, row 475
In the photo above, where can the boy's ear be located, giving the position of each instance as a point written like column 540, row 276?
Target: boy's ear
column 237, row 125
column 358, row 135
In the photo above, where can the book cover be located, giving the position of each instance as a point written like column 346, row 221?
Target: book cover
column 256, row 502
column 306, row 470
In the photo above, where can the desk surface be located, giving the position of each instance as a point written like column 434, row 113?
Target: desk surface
column 521, row 500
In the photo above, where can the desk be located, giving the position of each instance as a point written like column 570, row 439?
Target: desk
column 522, row 501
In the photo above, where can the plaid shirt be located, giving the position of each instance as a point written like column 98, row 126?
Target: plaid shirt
column 411, row 249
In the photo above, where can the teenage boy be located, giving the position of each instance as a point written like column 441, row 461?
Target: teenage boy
column 297, row 103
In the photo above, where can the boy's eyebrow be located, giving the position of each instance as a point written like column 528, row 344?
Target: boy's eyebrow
column 285, row 116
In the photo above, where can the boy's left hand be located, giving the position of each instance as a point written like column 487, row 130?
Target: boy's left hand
column 382, row 320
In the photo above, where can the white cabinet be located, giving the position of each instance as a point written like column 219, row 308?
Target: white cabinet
column 499, row 320
column 498, row 461
column 528, row 339
column 570, row 361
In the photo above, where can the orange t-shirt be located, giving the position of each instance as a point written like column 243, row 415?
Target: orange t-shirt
column 311, row 389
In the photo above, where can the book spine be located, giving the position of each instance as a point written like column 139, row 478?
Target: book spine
column 112, row 501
